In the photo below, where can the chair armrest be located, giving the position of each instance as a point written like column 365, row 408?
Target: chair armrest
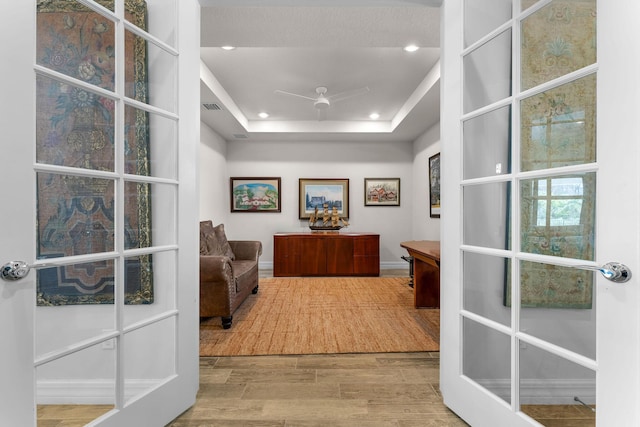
column 215, row 268
column 248, row 250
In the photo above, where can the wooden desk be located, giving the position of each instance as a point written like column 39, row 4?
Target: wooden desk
column 426, row 272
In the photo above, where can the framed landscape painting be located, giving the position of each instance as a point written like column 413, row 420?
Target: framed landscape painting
column 382, row 191
column 315, row 193
column 434, row 186
column 255, row 194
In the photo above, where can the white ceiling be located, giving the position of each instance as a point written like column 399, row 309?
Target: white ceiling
column 296, row 46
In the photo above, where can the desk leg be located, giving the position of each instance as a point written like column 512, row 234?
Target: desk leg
column 426, row 283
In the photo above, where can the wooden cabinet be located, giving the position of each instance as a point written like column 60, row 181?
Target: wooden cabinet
column 326, row 254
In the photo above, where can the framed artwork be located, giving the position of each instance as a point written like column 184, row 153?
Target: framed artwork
column 255, row 194
column 76, row 128
column 316, row 192
column 434, row 186
column 382, row 191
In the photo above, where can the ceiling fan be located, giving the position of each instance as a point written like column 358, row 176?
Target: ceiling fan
column 323, row 101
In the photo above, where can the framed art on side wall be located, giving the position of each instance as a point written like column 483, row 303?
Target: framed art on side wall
column 255, row 194
column 434, row 186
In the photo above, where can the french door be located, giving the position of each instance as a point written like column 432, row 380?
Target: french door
column 540, row 184
column 99, row 116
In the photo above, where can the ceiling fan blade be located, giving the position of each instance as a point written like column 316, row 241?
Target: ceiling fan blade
column 282, row 92
column 348, row 94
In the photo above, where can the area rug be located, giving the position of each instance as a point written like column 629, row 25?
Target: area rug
column 325, row 316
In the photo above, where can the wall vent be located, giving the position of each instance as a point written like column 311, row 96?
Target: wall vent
column 240, row 136
column 212, row 106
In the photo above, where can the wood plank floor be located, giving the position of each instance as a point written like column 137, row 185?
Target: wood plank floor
column 363, row 390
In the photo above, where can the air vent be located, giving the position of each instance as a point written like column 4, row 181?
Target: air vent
column 212, row 106
column 240, row 136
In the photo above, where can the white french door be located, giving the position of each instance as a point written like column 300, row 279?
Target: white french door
column 540, row 181
column 99, row 120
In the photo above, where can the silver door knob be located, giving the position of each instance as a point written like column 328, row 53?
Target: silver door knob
column 614, row 271
column 16, row 270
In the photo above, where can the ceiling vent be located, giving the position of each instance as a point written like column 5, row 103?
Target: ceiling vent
column 240, row 136
column 212, row 106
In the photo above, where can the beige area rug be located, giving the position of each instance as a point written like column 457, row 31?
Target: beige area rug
column 325, row 316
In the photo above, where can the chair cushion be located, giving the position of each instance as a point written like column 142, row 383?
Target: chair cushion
column 213, row 240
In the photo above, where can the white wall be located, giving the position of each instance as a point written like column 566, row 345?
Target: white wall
column 294, row 160
column 214, row 194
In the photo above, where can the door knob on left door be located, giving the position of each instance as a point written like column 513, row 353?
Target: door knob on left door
column 14, row 270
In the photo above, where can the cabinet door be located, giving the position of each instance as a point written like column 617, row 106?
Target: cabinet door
column 313, row 257
column 339, row 256
column 366, row 256
column 286, row 256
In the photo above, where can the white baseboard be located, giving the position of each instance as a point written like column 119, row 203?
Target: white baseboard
column 401, row 265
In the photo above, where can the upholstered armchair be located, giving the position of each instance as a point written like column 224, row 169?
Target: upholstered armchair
column 228, row 272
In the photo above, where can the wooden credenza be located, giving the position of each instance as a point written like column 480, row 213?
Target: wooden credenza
column 326, row 254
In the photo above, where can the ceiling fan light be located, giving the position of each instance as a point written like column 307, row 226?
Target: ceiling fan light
column 321, row 103
column 411, row 48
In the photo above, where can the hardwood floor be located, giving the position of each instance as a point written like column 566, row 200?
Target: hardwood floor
column 364, row 390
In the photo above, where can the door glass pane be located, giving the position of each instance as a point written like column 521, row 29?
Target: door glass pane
column 76, row 389
column 149, row 215
column 483, row 16
column 487, row 144
column 485, row 216
column 160, row 17
column 486, row 358
column 76, row 41
column 150, row 73
column 485, row 279
column 526, row 4
column 558, row 306
column 550, row 385
column 77, row 294
column 558, row 216
column 74, row 126
column 556, row 40
column 487, row 73
column 75, row 215
column 558, row 127
column 150, row 144
column 144, row 369
column 149, row 284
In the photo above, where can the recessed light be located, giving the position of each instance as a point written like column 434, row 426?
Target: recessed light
column 228, row 47
column 374, row 116
column 263, row 115
column 411, row 48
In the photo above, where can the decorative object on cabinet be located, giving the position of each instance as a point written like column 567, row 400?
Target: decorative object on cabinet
column 76, row 128
column 255, row 194
column 434, row 186
column 328, row 221
column 382, row 191
column 316, row 192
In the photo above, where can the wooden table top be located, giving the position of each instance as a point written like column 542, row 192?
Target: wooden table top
column 427, row 248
